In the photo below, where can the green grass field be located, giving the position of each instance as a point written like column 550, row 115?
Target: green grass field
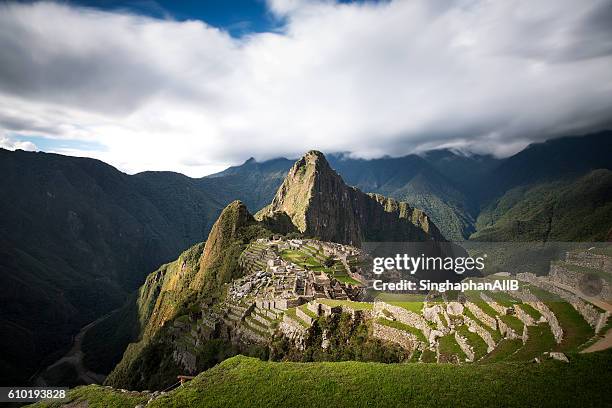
column 242, row 382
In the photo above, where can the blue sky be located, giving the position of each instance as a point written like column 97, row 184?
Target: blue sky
column 196, row 86
column 236, row 16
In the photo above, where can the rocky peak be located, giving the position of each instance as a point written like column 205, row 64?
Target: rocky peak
column 319, row 204
column 223, row 234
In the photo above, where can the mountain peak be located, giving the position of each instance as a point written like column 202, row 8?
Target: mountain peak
column 319, row 204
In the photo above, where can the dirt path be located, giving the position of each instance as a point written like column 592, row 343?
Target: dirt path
column 74, row 357
column 604, row 343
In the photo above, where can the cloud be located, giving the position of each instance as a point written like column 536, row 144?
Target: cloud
column 369, row 78
column 7, row 142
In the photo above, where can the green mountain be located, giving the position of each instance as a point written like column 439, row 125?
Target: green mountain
column 310, row 197
column 76, row 237
column 319, row 204
column 566, row 210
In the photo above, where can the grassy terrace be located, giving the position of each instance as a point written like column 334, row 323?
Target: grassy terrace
column 474, row 297
column 477, row 343
column 448, row 345
column 503, row 298
column 348, row 303
column 98, row 397
column 494, row 333
column 291, row 313
column 514, row 323
column 576, row 330
column 310, row 260
column 505, row 348
column 530, row 311
column 403, row 327
column 540, row 340
column 428, row 356
column 304, row 308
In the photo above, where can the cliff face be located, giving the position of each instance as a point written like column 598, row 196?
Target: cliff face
column 318, row 203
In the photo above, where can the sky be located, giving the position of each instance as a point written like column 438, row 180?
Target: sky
column 196, row 86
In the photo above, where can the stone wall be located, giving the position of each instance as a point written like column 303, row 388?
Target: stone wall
column 506, row 330
column 593, row 316
column 523, row 316
column 482, row 332
column 433, row 314
column 304, row 316
column 294, row 331
column 529, row 298
column 404, row 316
column 482, row 316
column 559, row 273
column 465, row 347
column 502, row 310
column 588, row 259
column 406, row 340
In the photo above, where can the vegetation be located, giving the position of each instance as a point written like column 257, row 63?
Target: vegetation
column 242, row 381
column 347, row 339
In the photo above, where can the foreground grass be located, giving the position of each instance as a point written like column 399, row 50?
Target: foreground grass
column 95, row 396
column 242, row 381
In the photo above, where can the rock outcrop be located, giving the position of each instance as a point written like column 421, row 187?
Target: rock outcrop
column 319, row 204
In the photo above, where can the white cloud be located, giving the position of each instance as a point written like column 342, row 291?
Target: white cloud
column 9, row 143
column 369, row 78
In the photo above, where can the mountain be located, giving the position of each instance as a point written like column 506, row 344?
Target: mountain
column 193, row 280
column 312, row 201
column 76, row 237
column 558, row 190
column 557, row 159
column 565, row 210
column 441, row 183
column 252, row 182
column 319, row 204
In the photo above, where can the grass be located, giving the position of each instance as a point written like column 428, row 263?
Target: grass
column 304, row 308
column 428, row 356
column 576, row 330
column 242, row 381
column 448, row 345
column 494, row 333
column 514, row 323
column 540, row 340
column 403, row 327
column 503, row 298
column 530, row 311
column 478, row 344
column 291, row 313
column 348, row 303
column 98, row 397
column 505, row 348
